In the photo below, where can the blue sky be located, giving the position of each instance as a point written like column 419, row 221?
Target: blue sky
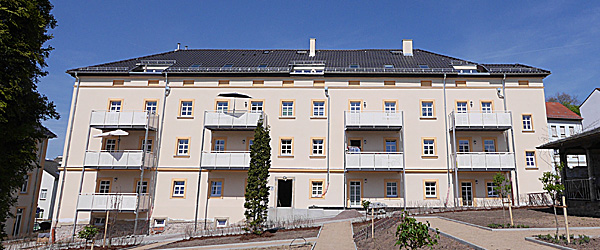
column 561, row 36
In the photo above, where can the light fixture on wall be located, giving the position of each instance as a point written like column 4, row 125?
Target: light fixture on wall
column 471, row 103
column 365, row 104
column 476, row 182
column 243, row 141
column 365, row 141
column 246, row 104
column 365, row 180
column 474, row 142
column 116, row 179
column 284, row 178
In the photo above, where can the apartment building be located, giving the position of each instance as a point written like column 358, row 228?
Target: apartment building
column 562, row 123
column 163, row 140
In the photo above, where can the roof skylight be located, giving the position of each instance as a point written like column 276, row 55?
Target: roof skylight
column 388, row 66
column 229, row 65
column 262, row 65
column 423, row 66
column 354, row 66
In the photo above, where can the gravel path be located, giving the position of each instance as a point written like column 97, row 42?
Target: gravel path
column 336, row 236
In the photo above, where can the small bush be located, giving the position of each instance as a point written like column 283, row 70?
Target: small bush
column 413, row 234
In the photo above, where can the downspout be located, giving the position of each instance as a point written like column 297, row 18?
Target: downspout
column 328, row 137
column 64, row 165
column 447, row 148
column 512, row 135
column 159, row 144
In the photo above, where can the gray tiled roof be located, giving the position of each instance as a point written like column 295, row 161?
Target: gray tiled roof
column 278, row 60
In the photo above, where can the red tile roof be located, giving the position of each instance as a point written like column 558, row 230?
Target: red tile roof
column 556, row 110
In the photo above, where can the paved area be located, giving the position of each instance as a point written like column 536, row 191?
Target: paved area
column 495, row 239
column 246, row 245
column 337, row 235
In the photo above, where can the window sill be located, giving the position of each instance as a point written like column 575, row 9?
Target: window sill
column 285, row 156
column 215, row 197
column 317, row 156
column 429, row 156
column 185, row 117
column 531, row 168
column 317, row 198
column 432, row 198
column 181, row 156
column 318, row 117
column 287, row 117
column 428, row 118
column 392, row 198
column 177, row 197
column 528, row 131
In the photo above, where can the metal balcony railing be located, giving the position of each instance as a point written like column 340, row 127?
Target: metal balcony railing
column 113, row 201
column 373, row 120
column 124, row 119
column 491, row 161
column 226, row 160
column 497, row 120
column 118, row 159
column 374, row 160
column 232, row 119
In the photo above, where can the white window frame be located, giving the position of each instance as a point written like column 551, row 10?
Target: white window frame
column 222, row 106
column 395, row 145
column 464, row 148
column 485, row 108
column 111, row 145
column 491, row 192
column 287, row 108
column 286, row 149
column 115, row 105
column 530, row 159
column 391, row 190
column 144, row 187
column 216, row 188
column 427, row 109
column 219, row 145
column 428, row 147
column 178, row 188
column 256, row 108
column 318, row 148
column 43, row 193
column 389, row 107
column 354, row 108
column 554, row 131
column 528, row 123
column 152, row 107
column 183, row 147
column 316, row 189
column 158, row 223
column 104, row 186
column 430, row 190
column 318, row 110
column 147, row 146
column 460, row 108
column 187, row 108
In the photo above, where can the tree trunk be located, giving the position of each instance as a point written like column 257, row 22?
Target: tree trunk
column 556, row 220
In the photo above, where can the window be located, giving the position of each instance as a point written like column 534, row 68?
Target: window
column 183, row 146
column 430, row 189
column 389, row 83
column 259, row 83
column 99, row 221
column 528, row 125
column 486, row 107
column 389, row 107
column 152, row 82
column 571, row 130
column 388, row 66
column 491, row 190
column 288, row 83
column 228, row 65
column 216, row 188
column 219, row 145
column 188, row 82
column 147, row 145
column 18, row 219
column 287, row 108
column 355, row 106
column 523, row 83
column 391, row 189
column 159, row 222
column 250, row 143
column 221, row 222
column 318, row 83
column 178, row 188
column 426, row 84
column 391, row 145
column 423, row 66
column 186, row 109
column 286, row 147
column 223, row 82
column 318, row 146
column 263, row 65
column 427, row 109
column 43, row 194
column 40, row 213
column 464, row 146
column 461, row 83
column 489, row 145
column 114, row 106
column 318, row 109
column 151, row 106
column 354, row 83
column 25, row 185
column 562, row 132
column 144, row 187
column 222, row 106
column 317, row 189
column 428, row 147
column 530, row 158
column 110, row 145
column 118, row 82
column 354, row 66
column 256, row 106
column 553, row 131
column 461, row 107
column 104, row 186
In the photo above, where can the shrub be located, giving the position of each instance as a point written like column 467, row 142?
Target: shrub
column 413, row 234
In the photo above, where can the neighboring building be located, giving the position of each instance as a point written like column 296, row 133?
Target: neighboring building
column 48, row 188
column 24, row 211
column 392, row 115
column 590, row 111
column 562, row 123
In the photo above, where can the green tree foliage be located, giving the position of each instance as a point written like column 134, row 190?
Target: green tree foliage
column 23, row 32
column 257, row 190
column 413, row 234
column 551, row 183
column 365, row 204
column 503, row 188
column 88, row 233
column 569, row 101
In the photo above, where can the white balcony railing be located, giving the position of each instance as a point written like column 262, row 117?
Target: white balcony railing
column 124, row 119
column 375, row 119
column 112, row 201
column 374, row 160
column 485, row 160
column 226, row 160
column 118, row 159
column 475, row 120
column 231, row 119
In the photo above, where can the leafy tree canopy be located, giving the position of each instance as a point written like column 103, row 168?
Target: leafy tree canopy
column 569, row 101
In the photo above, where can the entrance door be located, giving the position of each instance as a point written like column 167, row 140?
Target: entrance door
column 467, row 193
column 284, row 193
column 355, row 193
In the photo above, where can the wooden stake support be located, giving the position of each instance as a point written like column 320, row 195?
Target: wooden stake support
column 372, row 222
column 564, row 207
column 105, row 229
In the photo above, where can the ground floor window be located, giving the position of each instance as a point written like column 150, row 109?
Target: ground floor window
column 216, row 188
column 221, row 222
column 391, row 189
column 491, row 190
column 430, row 189
column 317, row 189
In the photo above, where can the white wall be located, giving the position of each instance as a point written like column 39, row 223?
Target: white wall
column 590, row 111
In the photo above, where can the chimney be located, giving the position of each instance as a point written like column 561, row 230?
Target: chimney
column 178, row 46
column 186, row 47
column 407, row 47
column 313, row 42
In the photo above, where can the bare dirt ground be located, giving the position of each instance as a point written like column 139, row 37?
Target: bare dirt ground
column 279, row 235
column 305, row 247
column 385, row 239
column 593, row 244
column 532, row 217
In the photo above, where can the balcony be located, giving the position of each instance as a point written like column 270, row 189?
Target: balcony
column 473, row 121
column 123, row 120
column 377, row 120
column 113, row 201
column 231, row 120
column 125, row 159
column 226, row 160
column 485, row 161
column 374, row 161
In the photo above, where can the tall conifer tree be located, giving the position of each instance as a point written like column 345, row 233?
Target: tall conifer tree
column 257, row 190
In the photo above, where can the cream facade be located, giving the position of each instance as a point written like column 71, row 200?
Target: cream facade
column 427, row 137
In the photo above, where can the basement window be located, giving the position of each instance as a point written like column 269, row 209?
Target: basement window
column 221, row 222
column 159, row 222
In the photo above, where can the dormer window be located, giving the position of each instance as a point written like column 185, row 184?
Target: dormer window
column 354, row 66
